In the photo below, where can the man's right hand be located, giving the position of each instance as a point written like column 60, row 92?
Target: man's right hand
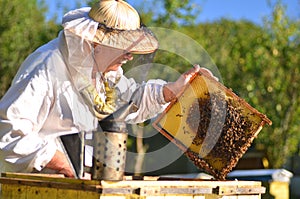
column 172, row 89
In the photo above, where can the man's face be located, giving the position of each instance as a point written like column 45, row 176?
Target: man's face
column 109, row 59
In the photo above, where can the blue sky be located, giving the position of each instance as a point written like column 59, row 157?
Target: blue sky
column 253, row 10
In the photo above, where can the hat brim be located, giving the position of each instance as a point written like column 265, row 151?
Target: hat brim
column 140, row 41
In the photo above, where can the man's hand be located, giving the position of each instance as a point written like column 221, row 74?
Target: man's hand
column 172, row 89
column 60, row 164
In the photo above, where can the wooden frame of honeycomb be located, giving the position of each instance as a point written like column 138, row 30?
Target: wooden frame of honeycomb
column 211, row 125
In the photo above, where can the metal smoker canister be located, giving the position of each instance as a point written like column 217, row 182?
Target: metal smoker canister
column 109, row 148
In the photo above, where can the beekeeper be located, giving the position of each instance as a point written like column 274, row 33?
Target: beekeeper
column 67, row 85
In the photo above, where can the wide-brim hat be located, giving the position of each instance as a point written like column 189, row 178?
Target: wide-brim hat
column 112, row 23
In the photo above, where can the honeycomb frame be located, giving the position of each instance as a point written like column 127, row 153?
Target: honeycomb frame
column 173, row 124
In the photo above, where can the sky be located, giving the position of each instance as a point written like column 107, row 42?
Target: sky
column 252, row 10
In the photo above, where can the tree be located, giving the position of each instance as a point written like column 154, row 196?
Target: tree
column 172, row 13
column 261, row 65
column 23, row 29
column 280, row 84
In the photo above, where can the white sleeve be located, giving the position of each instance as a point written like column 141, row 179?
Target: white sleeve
column 147, row 96
column 23, row 111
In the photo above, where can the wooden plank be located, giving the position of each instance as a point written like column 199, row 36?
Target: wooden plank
column 146, row 191
column 37, row 186
column 199, row 197
column 49, row 184
column 188, row 190
column 67, row 194
column 114, row 197
column 153, row 197
column 188, row 183
column 236, row 190
column 239, row 197
column 40, row 192
column 20, row 193
column 88, row 195
column 6, row 191
column 178, row 197
column 49, row 178
column 121, row 190
column 129, row 182
column 146, row 188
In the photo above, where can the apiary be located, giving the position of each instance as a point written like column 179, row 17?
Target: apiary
column 208, row 122
column 211, row 125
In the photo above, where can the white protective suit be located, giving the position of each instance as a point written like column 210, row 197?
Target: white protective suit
column 49, row 97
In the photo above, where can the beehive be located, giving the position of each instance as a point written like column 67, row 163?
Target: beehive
column 211, row 125
column 41, row 186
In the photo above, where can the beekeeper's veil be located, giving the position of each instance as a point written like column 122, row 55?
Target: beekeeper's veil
column 111, row 23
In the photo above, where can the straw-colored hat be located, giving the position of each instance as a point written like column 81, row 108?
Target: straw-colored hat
column 119, row 27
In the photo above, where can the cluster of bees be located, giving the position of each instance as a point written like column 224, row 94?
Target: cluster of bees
column 231, row 131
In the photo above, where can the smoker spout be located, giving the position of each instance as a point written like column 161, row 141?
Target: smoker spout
column 115, row 122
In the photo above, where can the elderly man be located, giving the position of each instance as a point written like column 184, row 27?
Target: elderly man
column 72, row 82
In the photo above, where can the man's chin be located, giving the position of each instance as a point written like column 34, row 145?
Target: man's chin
column 114, row 67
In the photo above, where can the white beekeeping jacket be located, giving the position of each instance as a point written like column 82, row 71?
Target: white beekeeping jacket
column 48, row 98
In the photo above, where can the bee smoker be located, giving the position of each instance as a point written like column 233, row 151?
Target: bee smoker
column 109, row 146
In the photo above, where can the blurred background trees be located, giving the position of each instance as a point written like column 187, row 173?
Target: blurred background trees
column 260, row 63
column 22, row 29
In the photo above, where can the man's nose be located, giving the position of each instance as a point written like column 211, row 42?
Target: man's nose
column 128, row 56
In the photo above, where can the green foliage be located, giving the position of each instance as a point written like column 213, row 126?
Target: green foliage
column 175, row 13
column 261, row 64
column 92, row 2
column 22, row 30
column 280, row 85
